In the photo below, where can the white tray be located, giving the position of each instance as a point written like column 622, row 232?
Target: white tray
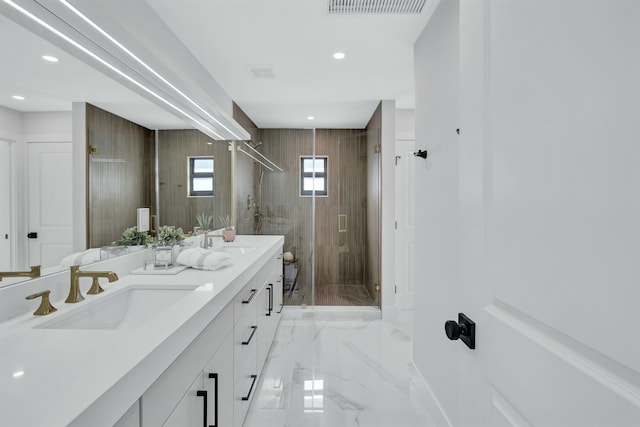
column 163, row 271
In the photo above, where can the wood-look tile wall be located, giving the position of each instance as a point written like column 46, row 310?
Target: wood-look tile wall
column 120, row 174
column 176, row 208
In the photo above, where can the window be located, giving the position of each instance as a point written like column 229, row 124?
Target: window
column 200, row 176
column 313, row 176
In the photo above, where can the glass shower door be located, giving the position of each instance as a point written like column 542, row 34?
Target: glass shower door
column 358, row 220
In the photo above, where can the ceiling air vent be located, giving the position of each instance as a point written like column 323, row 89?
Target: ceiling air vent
column 261, row 72
column 375, row 7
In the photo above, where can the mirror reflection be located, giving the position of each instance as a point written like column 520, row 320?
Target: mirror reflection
column 128, row 164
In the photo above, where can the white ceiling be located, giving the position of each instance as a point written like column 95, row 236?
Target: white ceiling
column 295, row 39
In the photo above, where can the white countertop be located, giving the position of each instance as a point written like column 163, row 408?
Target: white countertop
column 91, row 377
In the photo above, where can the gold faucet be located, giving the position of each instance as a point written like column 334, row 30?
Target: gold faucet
column 35, row 272
column 74, row 292
column 45, row 305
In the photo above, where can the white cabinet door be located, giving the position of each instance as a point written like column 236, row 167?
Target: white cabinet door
column 278, row 281
column 218, row 382
column 530, row 217
column 191, row 411
column 265, row 323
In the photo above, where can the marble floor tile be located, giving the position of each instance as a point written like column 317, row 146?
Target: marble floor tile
column 336, row 368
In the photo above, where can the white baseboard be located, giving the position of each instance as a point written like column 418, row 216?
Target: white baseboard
column 425, row 393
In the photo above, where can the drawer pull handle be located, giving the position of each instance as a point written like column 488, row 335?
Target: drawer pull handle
column 248, row 396
column 215, row 399
column 270, row 289
column 203, row 393
column 251, row 296
column 253, row 331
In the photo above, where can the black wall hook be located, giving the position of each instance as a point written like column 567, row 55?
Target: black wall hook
column 421, row 153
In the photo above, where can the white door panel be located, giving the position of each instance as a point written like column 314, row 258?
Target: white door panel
column 405, row 223
column 530, row 221
column 50, row 202
column 5, row 206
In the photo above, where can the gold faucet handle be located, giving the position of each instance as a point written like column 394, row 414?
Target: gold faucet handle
column 95, row 287
column 45, row 305
column 35, row 271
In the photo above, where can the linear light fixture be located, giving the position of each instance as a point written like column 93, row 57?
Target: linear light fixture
column 261, row 155
column 141, row 62
column 108, row 65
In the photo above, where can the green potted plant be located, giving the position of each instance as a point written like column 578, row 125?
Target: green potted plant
column 204, row 223
column 229, row 233
column 167, row 244
column 132, row 237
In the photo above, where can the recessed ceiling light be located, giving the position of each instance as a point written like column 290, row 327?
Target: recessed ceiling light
column 18, row 97
column 339, row 55
column 18, row 374
column 49, row 58
column 310, row 117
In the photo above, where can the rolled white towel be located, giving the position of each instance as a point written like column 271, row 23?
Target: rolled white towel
column 203, row 259
column 81, row 258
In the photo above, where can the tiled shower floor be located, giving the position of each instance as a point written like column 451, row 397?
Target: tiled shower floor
column 338, row 367
column 333, row 295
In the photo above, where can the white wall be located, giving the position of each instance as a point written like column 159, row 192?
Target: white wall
column 388, row 210
column 405, row 124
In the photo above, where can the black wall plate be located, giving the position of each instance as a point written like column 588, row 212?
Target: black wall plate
column 470, row 337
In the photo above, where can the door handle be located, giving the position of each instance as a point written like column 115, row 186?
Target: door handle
column 251, row 295
column 342, row 223
column 270, row 289
column 253, row 382
column 203, row 393
column 464, row 329
column 214, row 377
column 32, row 235
column 253, row 331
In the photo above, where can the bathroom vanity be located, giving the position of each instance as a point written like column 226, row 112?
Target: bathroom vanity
column 188, row 348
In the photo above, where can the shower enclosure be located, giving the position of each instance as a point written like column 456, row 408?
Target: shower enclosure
column 325, row 201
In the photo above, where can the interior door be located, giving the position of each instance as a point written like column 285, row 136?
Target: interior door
column 563, row 231
column 50, row 202
column 546, row 236
column 405, row 223
column 5, row 206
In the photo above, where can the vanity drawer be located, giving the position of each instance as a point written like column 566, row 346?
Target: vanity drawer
column 245, row 336
column 246, row 297
column 245, row 388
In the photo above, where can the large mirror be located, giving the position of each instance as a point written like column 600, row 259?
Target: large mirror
column 36, row 150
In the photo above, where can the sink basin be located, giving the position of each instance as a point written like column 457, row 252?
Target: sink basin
column 125, row 308
column 235, row 249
